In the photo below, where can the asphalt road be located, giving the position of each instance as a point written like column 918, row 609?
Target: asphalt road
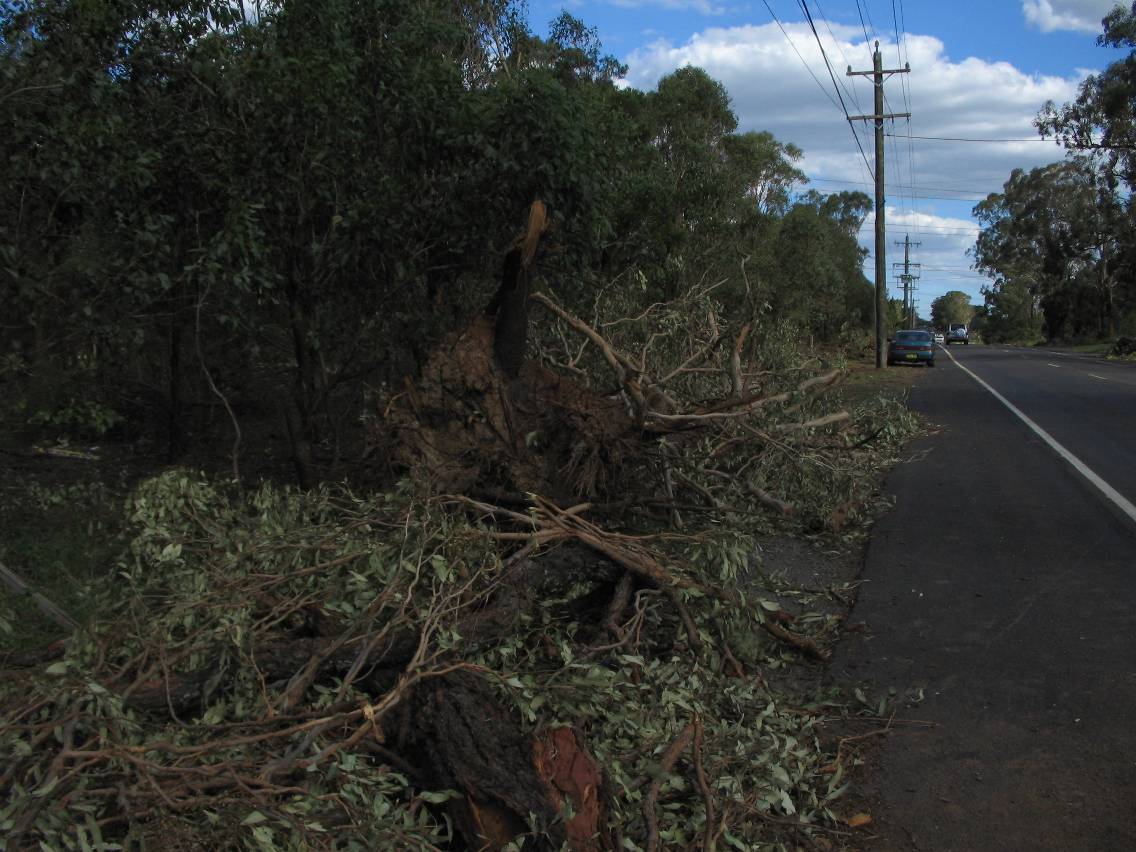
column 1003, row 585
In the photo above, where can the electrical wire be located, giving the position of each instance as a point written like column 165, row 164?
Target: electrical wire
column 812, row 25
column 793, row 45
column 851, row 93
column 930, row 186
column 863, row 26
column 907, row 84
column 963, row 139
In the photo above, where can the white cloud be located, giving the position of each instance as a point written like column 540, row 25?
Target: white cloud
column 771, row 89
column 703, row 6
column 1077, row 15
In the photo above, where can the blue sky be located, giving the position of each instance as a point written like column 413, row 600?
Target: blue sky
column 980, row 69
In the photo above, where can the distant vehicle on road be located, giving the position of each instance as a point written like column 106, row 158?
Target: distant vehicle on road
column 913, row 346
column 958, row 333
column 939, row 337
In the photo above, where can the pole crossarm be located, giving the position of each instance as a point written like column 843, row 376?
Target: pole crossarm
column 879, row 117
column 885, row 71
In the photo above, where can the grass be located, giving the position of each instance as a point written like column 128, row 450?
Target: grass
column 865, row 381
column 1100, row 348
column 1097, row 347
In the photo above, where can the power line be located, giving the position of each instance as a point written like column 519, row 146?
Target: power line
column 809, row 16
column 905, row 88
column 929, row 230
column 937, row 186
column 851, row 93
column 793, row 45
column 961, row 139
column 863, row 26
column 867, row 11
column 914, row 195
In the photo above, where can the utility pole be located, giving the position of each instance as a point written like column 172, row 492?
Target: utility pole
column 878, row 75
column 908, row 280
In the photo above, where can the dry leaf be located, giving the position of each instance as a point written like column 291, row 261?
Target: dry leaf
column 859, row 820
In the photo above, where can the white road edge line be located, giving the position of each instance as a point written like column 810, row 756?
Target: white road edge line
column 1107, row 490
column 1058, row 366
column 1095, row 376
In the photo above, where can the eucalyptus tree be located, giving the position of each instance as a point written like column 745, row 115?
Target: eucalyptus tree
column 952, row 307
column 250, row 214
column 814, row 265
column 1055, row 232
column 1102, row 119
column 103, row 213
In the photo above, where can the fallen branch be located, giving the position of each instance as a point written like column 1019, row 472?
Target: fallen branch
column 815, row 423
column 734, row 409
column 650, row 803
column 709, row 835
column 14, row 582
column 737, row 389
column 767, row 499
column 805, row 644
column 619, row 602
column 688, row 365
column 620, row 364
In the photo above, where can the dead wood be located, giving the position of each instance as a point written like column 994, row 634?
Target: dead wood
column 13, row 581
column 572, row 776
column 737, row 388
column 509, row 306
column 382, row 650
column 619, row 602
column 767, row 499
column 34, row 656
column 625, row 371
column 464, row 740
column 805, row 644
column 651, row 801
column 709, row 832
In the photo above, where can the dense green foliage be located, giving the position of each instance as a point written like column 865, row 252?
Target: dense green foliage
column 953, row 306
column 1058, row 241
column 216, row 583
column 220, row 227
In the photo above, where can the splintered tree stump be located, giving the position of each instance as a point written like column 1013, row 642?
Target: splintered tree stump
column 463, row 739
column 481, row 417
column 573, row 776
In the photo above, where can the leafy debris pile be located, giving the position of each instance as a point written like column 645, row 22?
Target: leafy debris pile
column 320, row 669
column 562, row 645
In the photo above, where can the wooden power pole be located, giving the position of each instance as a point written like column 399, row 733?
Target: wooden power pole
column 878, row 75
column 908, row 278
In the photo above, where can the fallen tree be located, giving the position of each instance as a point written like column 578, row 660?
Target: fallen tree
column 547, row 633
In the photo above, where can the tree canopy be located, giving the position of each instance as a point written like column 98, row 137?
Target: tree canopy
column 952, row 307
column 513, row 579
column 216, row 219
column 1058, row 242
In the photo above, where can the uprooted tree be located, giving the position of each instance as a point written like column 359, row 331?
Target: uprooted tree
column 547, row 633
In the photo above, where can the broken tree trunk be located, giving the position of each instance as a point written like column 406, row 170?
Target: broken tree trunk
column 513, row 784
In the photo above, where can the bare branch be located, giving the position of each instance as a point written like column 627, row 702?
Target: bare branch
column 737, row 390
column 620, row 364
column 827, row 420
column 650, row 803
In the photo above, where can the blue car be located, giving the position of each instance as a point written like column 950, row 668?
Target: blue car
column 912, row 347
